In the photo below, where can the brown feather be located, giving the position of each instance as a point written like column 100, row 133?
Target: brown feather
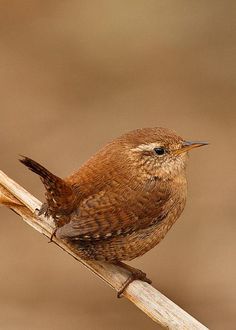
column 60, row 195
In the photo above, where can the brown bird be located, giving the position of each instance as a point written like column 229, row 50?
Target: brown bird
column 122, row 201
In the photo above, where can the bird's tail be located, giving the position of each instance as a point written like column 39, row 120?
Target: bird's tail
column 60, row 196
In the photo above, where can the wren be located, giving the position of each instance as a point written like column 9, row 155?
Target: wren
column 124, row 199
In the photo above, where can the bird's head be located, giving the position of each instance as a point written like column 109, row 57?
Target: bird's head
column 157, row 152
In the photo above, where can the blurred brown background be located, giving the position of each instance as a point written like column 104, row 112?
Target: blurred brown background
column 74, row 75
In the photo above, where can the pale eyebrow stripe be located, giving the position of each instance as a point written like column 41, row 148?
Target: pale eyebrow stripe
column 145, row 147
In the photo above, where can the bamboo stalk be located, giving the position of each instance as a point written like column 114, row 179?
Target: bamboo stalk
column 158, row 307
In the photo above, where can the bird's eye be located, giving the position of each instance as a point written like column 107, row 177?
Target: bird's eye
column 160, row 151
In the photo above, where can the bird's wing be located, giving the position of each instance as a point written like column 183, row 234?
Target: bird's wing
column 104, row 215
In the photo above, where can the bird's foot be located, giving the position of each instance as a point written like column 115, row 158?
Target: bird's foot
column 44, row 211
column 135, row 274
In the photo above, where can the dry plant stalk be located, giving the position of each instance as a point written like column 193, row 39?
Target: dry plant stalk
column 158, row 307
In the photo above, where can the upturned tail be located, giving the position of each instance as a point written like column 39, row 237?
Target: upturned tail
column 60, row 195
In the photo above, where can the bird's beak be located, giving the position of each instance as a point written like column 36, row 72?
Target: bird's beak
column 188, row 145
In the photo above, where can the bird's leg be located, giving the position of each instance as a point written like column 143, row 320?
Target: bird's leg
column 44, row 211
column 135, row 274
column 53, row 234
